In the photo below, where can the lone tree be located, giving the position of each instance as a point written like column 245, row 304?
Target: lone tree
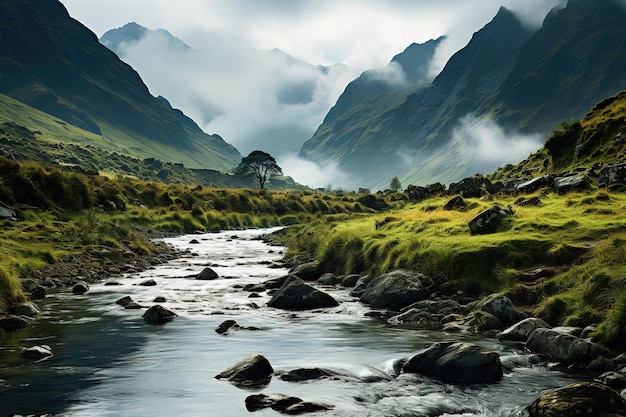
column 395, row 184
column 260, row 164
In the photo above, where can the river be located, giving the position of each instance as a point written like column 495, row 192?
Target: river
column 109, row 362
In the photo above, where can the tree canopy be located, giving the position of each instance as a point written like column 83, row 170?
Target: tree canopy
column 395, row 184
column 260, row 164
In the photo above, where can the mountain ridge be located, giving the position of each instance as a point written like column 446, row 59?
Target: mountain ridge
column 80, row 81
column 485, row 89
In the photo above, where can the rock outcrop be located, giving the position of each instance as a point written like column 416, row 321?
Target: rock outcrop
column 252, row 370
column 579, row 399
column 295, row 294
column 395, row 290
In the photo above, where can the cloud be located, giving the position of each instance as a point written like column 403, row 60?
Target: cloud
column 315, row 175
column 254, row 99
column 489, row 145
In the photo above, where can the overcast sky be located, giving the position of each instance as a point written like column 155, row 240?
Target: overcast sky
column 229, row 92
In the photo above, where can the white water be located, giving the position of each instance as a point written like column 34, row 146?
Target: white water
column 108, row 362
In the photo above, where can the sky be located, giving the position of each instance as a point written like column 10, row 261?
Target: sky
column 231, row 85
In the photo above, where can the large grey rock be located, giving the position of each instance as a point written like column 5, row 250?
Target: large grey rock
column 361, row 285
column 487, row 221
column 501, row 307
column 475, row 186
column 579, row 399
column 565, row 347
column 7, row 213
column 459, row 363
column 612, row 174
column 252, row 370
column 521, row 330
column 573, row 182
column 158, row 315
column 535, row 184
column 395, row 290
column 295, row 294
column 309, row 271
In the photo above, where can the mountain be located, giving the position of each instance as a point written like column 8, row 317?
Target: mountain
column 508, row 81
column 55, row 64
column 260, row 99
column 116, row 39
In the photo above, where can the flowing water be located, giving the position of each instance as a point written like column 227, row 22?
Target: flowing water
column 109, row 362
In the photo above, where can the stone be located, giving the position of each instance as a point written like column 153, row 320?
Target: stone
column 579, row 399
column 488, row 221
column 124, row 301
column 295, row 294
column 158, row 315
column 612, row 174
column 475, row 186
column 535, row 184
column 207, row 274
column 25, row 309
column 305, row 374
column 458, row 363
column 572, row 182
column 226, row 325
column 252, row 370
column 284, row 404
column 7, row 213
column 350, row 281
column 395, row 290
column 11, row 322
column 533, row 201
column 521, row 330
column 615, row 380
column 80, row 288
column 38, row 293
column 37, row 352
column 148, row 283
column 501, row 307
column 159, row 299
column 455, row 203
column 419, row 193
column 361, row 286
column 309, row 271
column 565, row 348
column 329, row 279
column 133, row 306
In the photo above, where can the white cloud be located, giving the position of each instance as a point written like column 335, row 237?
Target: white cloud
column 489, row 145
column 315, row 175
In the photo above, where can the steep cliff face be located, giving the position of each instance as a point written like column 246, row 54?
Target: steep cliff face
column 516, row 79
column 53, row 63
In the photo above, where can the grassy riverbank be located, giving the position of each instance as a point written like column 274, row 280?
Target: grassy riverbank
column 60, row 213
column 578, row 241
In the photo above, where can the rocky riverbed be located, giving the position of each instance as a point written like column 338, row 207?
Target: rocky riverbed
column 326, row 345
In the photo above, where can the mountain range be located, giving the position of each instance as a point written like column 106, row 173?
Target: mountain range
column 53, row 63
column 508, row 82
column 259, row 99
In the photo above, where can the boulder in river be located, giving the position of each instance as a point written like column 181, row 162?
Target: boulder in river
column 207, row 274
column 12, row 322
column 565, row 348
column 80, row 288
column 158, row 315
column 25, row 309
column 395, row 290
column 37, row 352
column 521, row 330
column 148, row 283
column 459, row 363
column 309, row 271
column 295, row 294
column 124, row 301
column 252, row 370
column 579, row 399
column 501, row 307
column 284, row 404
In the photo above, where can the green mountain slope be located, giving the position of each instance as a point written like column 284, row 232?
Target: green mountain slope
column 508, row 78
column 53, row 63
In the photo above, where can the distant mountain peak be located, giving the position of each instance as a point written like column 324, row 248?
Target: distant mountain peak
column 132, row 32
